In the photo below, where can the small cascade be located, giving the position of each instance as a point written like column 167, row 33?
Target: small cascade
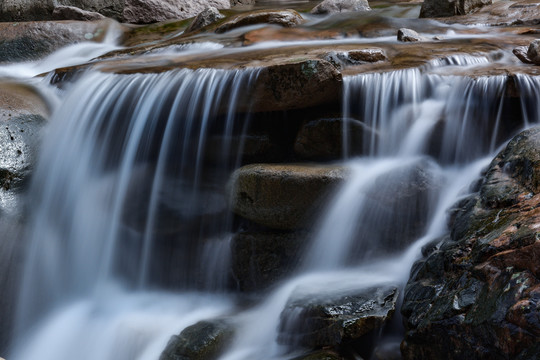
column 124, row 168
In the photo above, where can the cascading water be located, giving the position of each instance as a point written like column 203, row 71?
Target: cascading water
column 127, row 203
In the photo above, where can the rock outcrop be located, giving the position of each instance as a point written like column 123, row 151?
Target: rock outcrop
column 444, row 8
column 338, row 6
column 74, row 13
column 530, row 54
column 282, row 196
column 477, row 295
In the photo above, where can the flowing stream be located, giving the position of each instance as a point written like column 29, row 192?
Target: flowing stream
column 129, row 231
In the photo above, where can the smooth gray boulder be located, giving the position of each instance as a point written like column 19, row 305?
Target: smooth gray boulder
column 74, row 13
column 338, row 6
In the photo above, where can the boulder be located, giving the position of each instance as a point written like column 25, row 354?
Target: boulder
column 322, row 139
column 260, row 259
column 285, row 18
column 203, row 341
column 530, row 55
column 131, row 11
column 150, row 11
column 242, row 2
column 282, row 196
column 445, row 8
column 296, row 85
column 206, row 17
column 23, row 113
column 328, row 318
column 408, row 35
column 33, row 40
column 74, row 13
column 338, row 6
column 477, row 295
column 355, row 57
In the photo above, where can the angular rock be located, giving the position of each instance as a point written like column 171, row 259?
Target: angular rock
column 262, row 258
column 206, row 17
column 242, row 2
column 478, row 295
column 322, row 139
column 408, row 35
column 296, row 85
column 285, row 18
column 203, row 341
column 325, row 318
column 74, row 13
column 150, row 11
column 530, row 55
column 338, row 6
column 282, row 196
column 445, row 8
column 32, row 40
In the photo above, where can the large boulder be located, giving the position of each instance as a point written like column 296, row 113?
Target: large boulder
column 32, row 40
column 338, row 6
column 477, row 295
column 23, row 113
column 529, row 55
column 282, row 196
column 285, row 18
column 74, row 13
column 445, row 8
column 206, row 17
column 328, row 318
column 203, row 341
column 259, row 259
column 131, row 11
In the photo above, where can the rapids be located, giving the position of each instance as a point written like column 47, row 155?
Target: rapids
column 128, row 232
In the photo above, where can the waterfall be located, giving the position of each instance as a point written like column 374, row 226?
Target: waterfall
column 122, row 202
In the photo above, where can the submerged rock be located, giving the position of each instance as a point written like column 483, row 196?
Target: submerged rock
column 262, row 258
column 203, row 341
column 444, row 8
column 285, row 18
column 338, row 6
column 74, row 13
column 282, row 196
column 324, row 318
column 206, row 17
column 478, row 295
column 322, row 139
column 529, row 55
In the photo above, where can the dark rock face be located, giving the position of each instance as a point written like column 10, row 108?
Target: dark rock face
column 285, row 18
column 444, row 8
column 33, row 40
column 322, row 139
column 261, row 258
column 282, row 196
column 74, row 13
column 203, row 341
column 320, row 319
column 530, row 55
column 337, row 6
column 206, row 17
column 477, row 296
column 296, row 85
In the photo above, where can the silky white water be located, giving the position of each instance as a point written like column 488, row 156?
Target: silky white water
column 123, row 167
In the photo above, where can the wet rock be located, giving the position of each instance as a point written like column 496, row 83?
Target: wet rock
column 32, row 40
column 261, row 258
column 338, row 6
column 150, row 11
column 327, row 318
column 296, row 85
column 478, row 294
column 355, row 57
column 322, row 139
column 408, row 35
column 242, row 2
column 206, row 17
column 74, row 13
column 23, row 113
column 444, row 8
column 285, row 18
column 321, row 355
column 530, row 55
column 282, row 196
column 203, row 341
